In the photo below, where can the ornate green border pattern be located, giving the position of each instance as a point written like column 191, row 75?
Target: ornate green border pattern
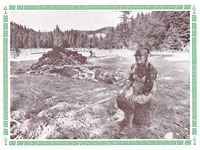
column 97, row 7
column 5, row 74
column 130, row 142
column 100, row 142
column 194, row 73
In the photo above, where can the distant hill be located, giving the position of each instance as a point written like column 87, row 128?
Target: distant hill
column 24, row 37
column 98, row 32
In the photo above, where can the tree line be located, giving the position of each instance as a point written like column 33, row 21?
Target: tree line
column 161, row 29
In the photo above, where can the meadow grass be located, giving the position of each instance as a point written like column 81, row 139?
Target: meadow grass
column 170, row 109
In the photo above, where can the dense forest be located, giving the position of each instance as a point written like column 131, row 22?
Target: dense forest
column 161, row 29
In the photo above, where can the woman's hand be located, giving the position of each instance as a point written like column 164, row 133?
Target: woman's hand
column 131, row 98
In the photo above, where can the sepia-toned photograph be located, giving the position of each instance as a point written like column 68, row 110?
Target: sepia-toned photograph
column 100, row 74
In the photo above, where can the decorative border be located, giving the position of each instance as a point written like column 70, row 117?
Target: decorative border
column 100, row 7
column 97, row 7
column 5, row 75
column 194, row 74
column 127, row 142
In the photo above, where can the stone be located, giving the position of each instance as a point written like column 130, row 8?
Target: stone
column 69, row 72
column 169, row 135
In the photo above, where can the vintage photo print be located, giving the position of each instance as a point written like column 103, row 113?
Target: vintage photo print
column 121, row 74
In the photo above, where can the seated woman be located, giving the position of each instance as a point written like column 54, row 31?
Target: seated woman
column 142, row 82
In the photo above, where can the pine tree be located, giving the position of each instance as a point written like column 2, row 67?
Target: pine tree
column 124, row 31
column 25, row 38
column 58, row 38
column 31, row 39
column 37, row 39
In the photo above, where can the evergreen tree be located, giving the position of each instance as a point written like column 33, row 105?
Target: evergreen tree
column 58, row 38
column 124, row 31
column 31, row 39
column 25, row 38
column 37, row 39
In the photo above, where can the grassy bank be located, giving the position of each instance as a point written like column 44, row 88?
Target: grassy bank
column 54, row 106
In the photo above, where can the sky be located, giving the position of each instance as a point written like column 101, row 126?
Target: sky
column 67, row 20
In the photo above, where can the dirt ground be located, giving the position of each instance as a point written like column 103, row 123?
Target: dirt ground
column 59, row 107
